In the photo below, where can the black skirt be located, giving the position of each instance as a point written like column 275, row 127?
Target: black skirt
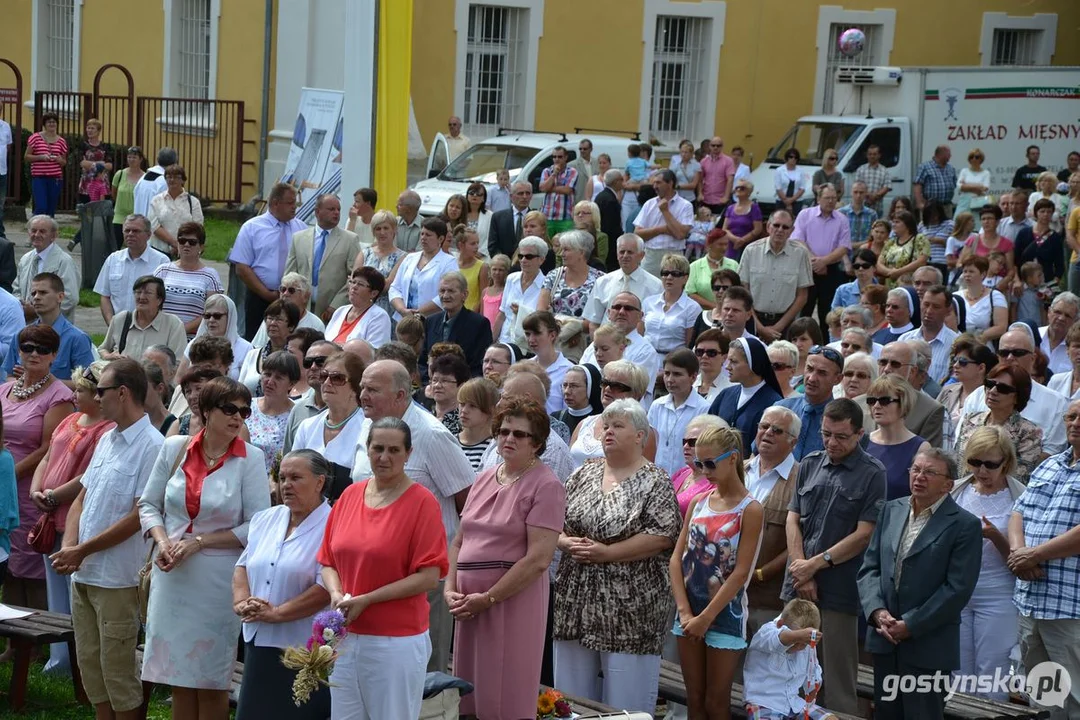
column 267, row 690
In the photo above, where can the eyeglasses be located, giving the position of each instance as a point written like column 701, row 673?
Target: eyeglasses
column 720, row 145
column 963, row 362
column 988, row 464
column 893, row 364
column 1016, row 353
column 527, row 256
column 445, row 381
column 476, row 193
column 28, row 348
column 916, row 471
column 861, row 266
column 829, row 353
column 741, row 187
column 316, row 361
column 672, row 273
column 518, row 434
column 275, row 320
column 720, row 288
column 856, row 374
column 335, row 379
column 615, row 385
column 1001, row 387
column 771, row 429
column 619, row 307
column 882, row 401
column 230, row 410
column 101, row 390
column 213, row 315
column 710, row 465
column 706, row 352
column 780, row 367
column 826, row 436
column 356, row 282
column 187, row 241
column 781, row 226
column 284, row 290
column 689, row 442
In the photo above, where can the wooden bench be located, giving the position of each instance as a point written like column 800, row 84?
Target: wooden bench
column 37, row 630
column 584, row 707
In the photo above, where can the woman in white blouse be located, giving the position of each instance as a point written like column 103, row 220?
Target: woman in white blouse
column 362, row 318
column 522, row 288
column 281, row 318
column 414, row 285
column 198, row 502
column 477, row 214
column 335, row 432
column 791, row 183
column 171, row 209
column 973, row 182
column 987, row 310
column 277, row 590
column 670, row 316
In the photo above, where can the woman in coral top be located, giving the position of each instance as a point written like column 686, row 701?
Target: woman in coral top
column 383, row 550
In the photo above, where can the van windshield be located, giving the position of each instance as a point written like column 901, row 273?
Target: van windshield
column 812, row 139
column 479, row 163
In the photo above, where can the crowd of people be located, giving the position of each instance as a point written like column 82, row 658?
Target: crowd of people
column 563, row 444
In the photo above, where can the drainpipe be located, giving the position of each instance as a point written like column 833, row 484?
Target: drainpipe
column 264, row 117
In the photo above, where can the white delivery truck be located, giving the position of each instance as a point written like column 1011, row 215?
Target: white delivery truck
column 907, row 112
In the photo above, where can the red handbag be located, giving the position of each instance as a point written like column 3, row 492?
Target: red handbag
column 42, row 537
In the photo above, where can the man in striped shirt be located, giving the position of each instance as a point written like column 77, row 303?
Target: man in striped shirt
column 876, row 177
column 557, row 182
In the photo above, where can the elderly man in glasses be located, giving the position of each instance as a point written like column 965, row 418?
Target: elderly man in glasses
column 122, row 268
column 1045, row 408
column 926, row 418
column 456, row 143
column 625, row 313
column 767, row 268
column 837, row 498
column 824, row 371
column 918, row 573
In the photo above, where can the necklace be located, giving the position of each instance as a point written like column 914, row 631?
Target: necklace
column 507, row 482
column 385, row 497
column 212, row 460
column 21, row 391
column 338, row 426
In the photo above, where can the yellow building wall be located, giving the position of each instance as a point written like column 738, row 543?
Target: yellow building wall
column 589, row 67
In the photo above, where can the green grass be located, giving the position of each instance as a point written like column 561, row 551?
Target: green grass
column 53, row 698
column 67, row 232
column 220, row 236
column 89, row 299
column 97, row 339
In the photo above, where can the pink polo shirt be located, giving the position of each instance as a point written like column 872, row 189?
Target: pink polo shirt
column 714, row 175
column 821, row 233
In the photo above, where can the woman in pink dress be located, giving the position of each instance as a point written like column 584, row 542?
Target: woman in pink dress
column 497, row 587
column 688, row 481
column 33, row 406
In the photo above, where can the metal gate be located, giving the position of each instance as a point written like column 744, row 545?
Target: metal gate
column 11, row 111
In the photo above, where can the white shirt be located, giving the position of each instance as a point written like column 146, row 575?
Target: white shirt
column 145, row 190
column 967, row 176
column 746, row 393
column 170, row 213
column 280, row 568
column 120, row 271
column 437, row 462
column 526, row 298
column 980, row 316
column 1046, row 409
column 666, row 329
column 640, row 283
column 650, row 217
column 782, row 177
column 309, row 320
column 742, row 172
column 342, row 449
column 1061, row 383
column 639, row 351
column 428, row 278
column 670, row 424
column 5, row 140
column 773, row 676
column 555, row 372
column 1058, row 356
column 719, row 382
column 374, row 326
column 761, row 485
column 12, row 320
column 940, row 347
column 114, row 481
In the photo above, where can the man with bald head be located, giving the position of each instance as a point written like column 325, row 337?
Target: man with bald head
column 325, row 253
column 1016, row 348
column 625, row 313
column 361, row 349
column 436, row 462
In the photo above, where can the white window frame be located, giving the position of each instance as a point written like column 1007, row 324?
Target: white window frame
column 533, row 32
column 38, row 59
column 192, row 123
column 1046, row 22
column 713, row 10
column 829, row 14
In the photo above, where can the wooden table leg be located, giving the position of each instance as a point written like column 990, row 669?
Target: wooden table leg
column 20, row 672
column 76, row 676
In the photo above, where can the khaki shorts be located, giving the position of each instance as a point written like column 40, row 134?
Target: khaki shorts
column 106, row 624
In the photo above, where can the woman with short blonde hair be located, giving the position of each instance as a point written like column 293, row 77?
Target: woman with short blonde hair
column 889, row 400
column 859, row 371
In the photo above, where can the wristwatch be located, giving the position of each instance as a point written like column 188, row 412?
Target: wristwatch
column 491, row 599
column 827, row 557
column 759, row 575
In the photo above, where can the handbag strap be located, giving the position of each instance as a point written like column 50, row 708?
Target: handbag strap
column 124, row 333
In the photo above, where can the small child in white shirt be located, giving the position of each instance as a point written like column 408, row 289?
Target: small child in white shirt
column 997, row 269
column 699, row 231
column 781, row 676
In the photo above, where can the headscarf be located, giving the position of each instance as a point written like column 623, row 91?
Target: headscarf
column 758, row 356
column 1031, row 329
column 516, row 353
column 960, row 310
column 592, row 389
column 240, row 346
column 913, row 305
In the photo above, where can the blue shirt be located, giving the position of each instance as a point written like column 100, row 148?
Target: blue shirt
column 9, row 500
column 810, row 433
column 860, row 221
column 847, row 294
column 12, row 320
column 76, row 350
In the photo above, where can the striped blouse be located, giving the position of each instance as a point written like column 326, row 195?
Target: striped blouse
column 38, row 145
column 186, row 290
column 474, row 453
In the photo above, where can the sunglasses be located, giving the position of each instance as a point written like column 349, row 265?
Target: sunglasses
column 781, row 226
column 288, row 290
column 894, row 364
column 706, row 352
column 672, row 273
column 710, row 465
column 829, row 353
column 1001, row 387
column 28, row 348
column 861, row 266
column 988, row 464
column 780, row 367
column 882, row 401
column 963, row 362
column 518, row 434
column 625, row 308
column 1017, row 353
column 230, row 410
column 187, row 241
column 527, row 256
column 771, row 429
column 614, row 385
column 689, row 442
column 213, row 315
column 335, row 379
column 100, row 391
column 317, row 361
column 720, row 288
column 475, row 193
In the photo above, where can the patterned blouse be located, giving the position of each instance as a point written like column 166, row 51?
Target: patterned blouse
column 567, row 300
column 1026, row 436
column 897, row 256
column 623, row 607
column 384, row 266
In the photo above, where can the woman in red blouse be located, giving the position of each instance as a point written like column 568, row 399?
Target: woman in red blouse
column 383, row 550
column 47, row 153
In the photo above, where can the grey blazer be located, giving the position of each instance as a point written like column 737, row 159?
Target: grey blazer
column 938, row 578
column 57, row 262
column 338, row 257
column 926, row 419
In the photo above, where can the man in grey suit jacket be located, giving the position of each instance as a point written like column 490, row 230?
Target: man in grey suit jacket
column 47, row 256
column 918, row 573
column 927, row 418
column 336, row 250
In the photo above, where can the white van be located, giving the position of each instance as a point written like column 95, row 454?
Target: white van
column 524, row 154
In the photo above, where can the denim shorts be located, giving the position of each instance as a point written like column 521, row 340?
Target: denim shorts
column 713, row 639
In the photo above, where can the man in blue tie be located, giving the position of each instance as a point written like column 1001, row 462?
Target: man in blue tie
column 325, row 253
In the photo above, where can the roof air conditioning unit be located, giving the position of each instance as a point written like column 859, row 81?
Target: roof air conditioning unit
column 888, row 76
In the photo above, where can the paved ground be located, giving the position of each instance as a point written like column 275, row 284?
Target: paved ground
column 88, row 319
